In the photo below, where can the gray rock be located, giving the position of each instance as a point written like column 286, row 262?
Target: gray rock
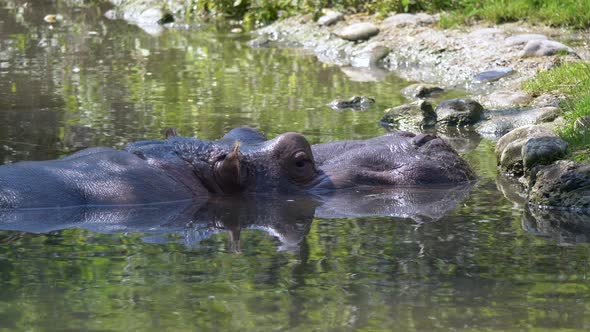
column 548, row 114
column 459, row 112
column 506, row 99
column 492, row 75
column 509, row 147
column 564, row 184
column 522, row 39
column 369, row 55
column 355, row 102
column 358, row 31
column 542, row 151
column 501, row 122
column 418, row 114
column 421, row 91
column 330, row 18
column 536, row 48
column 404, row 20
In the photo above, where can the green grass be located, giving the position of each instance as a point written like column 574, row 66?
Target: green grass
column 571, row 13
column 573, row 81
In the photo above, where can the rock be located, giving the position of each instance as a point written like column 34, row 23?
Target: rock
column 421, row 91
column 459, row 112
column 542, row 151
column 536, row 48
column 506, row 99
column 509, row 147
column 418, row 114
column 358, row 31
column 495, row 128
column 404, row 20
column 564, row 184
column 355, row 102
column 369, row 55
column 330, row 18
column 501, row 122
column 548, row 114
column 522, row 39
column 492, row 75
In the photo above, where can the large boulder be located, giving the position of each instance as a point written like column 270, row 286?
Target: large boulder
column 330, row 18
column 564, row 184
column 509, row 149
column 458, row 112
column 418, row 114
column 358, row 31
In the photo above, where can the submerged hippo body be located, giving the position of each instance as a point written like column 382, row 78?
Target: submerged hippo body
column 243, row 160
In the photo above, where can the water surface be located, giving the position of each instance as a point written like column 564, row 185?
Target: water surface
column 294, row 264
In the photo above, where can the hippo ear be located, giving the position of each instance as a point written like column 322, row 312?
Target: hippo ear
column 227, row 170
column 170, row 132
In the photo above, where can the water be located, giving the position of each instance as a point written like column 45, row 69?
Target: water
column 260, row 265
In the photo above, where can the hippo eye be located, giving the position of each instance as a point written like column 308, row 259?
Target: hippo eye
column 300, row 159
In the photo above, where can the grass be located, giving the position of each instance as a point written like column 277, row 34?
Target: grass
column 570, row 13
column 573, row 81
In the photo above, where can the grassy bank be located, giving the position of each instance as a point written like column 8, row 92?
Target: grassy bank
column 573, row 81
column 571, row 13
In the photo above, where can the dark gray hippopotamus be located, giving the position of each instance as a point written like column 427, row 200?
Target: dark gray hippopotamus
column 181, row 168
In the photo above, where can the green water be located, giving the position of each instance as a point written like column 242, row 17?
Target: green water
column 487, row 265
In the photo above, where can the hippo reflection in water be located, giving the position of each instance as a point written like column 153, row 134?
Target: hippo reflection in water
column 181, row 168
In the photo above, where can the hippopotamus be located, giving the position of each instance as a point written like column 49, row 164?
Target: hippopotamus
column 243, row 161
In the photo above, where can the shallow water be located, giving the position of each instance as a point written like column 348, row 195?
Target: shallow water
column 467, row 259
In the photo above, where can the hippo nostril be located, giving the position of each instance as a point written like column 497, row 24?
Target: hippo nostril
column 300, row 163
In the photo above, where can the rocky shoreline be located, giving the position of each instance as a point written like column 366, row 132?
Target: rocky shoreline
column 488, row 63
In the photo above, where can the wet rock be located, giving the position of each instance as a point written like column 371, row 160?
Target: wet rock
column 506, row 99
column 418, row 114
column 492, row 75
column 369, row 55
column 509, row 147
column 421, row 91
column 458, row 112
column 373, row 74
column 358, row 31
column 405, row 20
column 542, row 151
column 522, row 39
column 331, row 18
column 535, row 48
column 564, row 184
column 355, row 102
